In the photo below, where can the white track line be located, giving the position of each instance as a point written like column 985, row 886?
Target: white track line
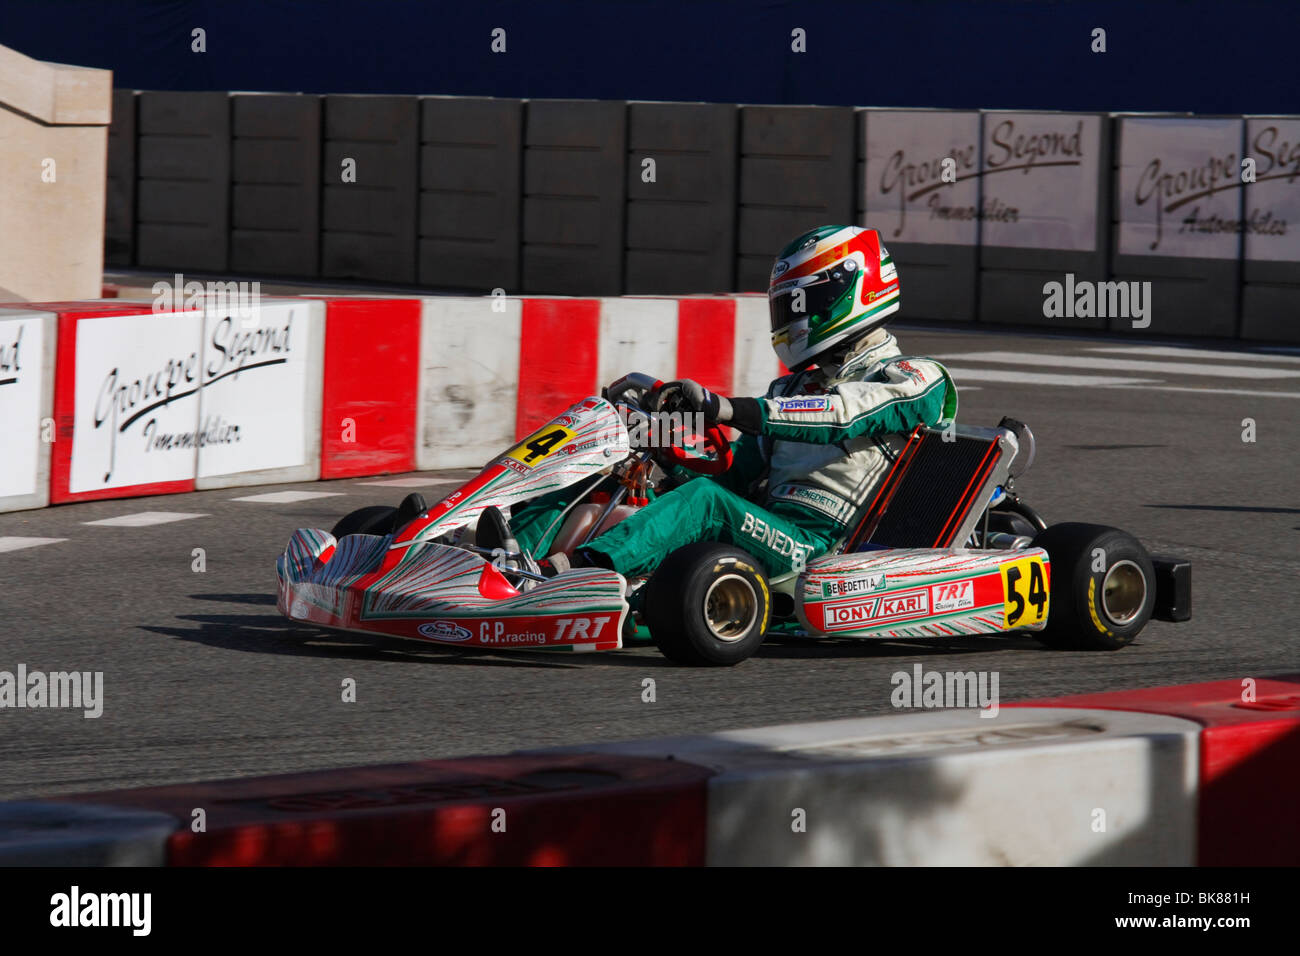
column 288, row 497
column 1016, row 377
column 1020, row 377
column 17, row 544
column 407, row 482
column 1204, row 370
column 1250, row 393
column 1176, row 352
column 143, row 519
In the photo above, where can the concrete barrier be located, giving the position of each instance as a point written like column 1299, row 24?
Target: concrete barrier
column 469, row 380
column 1045, row 194
column 119, row 201
column 928, row 224
column 601, row 198
column 796, row 173
column 183, row 180
column 148, row 403
column 370, row 171
column 573, row 197
column 1177, row 204
column 471, row 151
column 474, row 811
column 152, row 402
column 1171, row 776
column 1249, row 765
column 275, row 169
column 681, row 198
column 1028, row 787
column 262, row 376
column 1270, row 295
column 493, row 370
column 69, row 834
column 370, row 386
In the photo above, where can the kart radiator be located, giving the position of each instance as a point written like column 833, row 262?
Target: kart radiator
column 935, row 490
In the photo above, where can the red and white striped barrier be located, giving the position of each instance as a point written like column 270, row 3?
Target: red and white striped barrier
column 494, row 370
column 147, row 402
column 1249, row 765
column 152, row 402
column 370, row 387
column 569, row 810
column 1028, row 787
column 1170, row 776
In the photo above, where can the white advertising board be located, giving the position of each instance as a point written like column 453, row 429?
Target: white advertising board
column 1039, row 177
column 171, row 396
column 26, row 387
column 259, row 410
column 1273, row 199
column 137, row 382
column 906, row 197
column 1179, row 187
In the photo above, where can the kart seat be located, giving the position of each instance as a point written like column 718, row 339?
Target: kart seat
column 493, row 531
column 412, row 506
column 936, row 490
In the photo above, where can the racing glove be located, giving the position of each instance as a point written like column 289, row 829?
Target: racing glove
column 743, row 414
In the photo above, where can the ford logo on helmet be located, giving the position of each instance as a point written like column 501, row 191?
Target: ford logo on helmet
column 780, row 267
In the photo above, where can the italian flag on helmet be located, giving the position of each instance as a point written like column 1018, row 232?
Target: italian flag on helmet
column 829, row 287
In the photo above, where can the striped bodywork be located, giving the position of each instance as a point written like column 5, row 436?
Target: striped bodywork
column 412, row 586
column 833, row 584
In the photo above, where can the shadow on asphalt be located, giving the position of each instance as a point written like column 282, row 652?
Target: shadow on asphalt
column 1246, row 508
column 814, row 649
column 267, row 600
column 1112, row 447
column 271, row 634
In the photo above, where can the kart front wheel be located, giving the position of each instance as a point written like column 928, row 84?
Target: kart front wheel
column 1103, row 587
column 708, row 605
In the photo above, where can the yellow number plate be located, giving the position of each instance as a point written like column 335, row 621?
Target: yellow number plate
column 539, row 445
column 1025, row 591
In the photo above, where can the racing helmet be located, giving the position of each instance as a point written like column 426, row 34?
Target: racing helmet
column 829, row 287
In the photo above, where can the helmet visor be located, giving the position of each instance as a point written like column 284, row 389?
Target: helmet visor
column 810, row 297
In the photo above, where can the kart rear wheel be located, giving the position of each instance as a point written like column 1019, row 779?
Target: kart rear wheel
column 708, row 605
column 372, row 519
column 1103, row 587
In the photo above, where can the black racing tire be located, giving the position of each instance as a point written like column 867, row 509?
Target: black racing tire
column 708, row 605
column 1089, row 609
column 372, row 519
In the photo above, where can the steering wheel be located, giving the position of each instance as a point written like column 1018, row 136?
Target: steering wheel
column 663, row 397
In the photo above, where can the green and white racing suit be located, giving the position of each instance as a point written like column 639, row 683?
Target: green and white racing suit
column 793, row 488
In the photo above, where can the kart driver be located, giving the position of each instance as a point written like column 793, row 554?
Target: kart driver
column 812, row 449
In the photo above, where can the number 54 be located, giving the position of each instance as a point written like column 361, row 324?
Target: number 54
column 1024, row 592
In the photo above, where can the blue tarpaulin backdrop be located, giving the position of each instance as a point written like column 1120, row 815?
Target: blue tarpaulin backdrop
column 1182, row 55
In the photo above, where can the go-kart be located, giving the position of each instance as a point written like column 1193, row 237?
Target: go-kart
column 942, row 547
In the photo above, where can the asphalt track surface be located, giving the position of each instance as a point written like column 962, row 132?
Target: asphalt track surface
column 203, row 679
